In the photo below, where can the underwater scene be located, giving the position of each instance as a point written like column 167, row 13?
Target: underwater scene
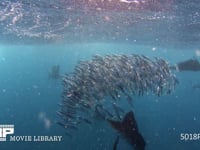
column 100, row 74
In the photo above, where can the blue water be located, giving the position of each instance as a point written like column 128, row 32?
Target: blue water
column 27, row 91
column 37, row 35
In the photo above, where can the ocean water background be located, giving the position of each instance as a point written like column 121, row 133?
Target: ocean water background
column 29, row 97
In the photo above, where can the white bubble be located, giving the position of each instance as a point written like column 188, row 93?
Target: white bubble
column 153, row 49
column 41, row 115
column 47, row 123
column 197, row 53
column 35, row 86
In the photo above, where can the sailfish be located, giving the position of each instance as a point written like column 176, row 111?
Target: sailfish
column 129, row 130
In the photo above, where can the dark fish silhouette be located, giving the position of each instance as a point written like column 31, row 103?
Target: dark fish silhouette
column 189, row 65
column 129, row 130
column 196, row 86
column 55, row 72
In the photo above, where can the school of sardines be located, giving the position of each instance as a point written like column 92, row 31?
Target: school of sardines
column 97, row 85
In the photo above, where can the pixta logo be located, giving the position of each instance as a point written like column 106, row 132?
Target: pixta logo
column 5, row 130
